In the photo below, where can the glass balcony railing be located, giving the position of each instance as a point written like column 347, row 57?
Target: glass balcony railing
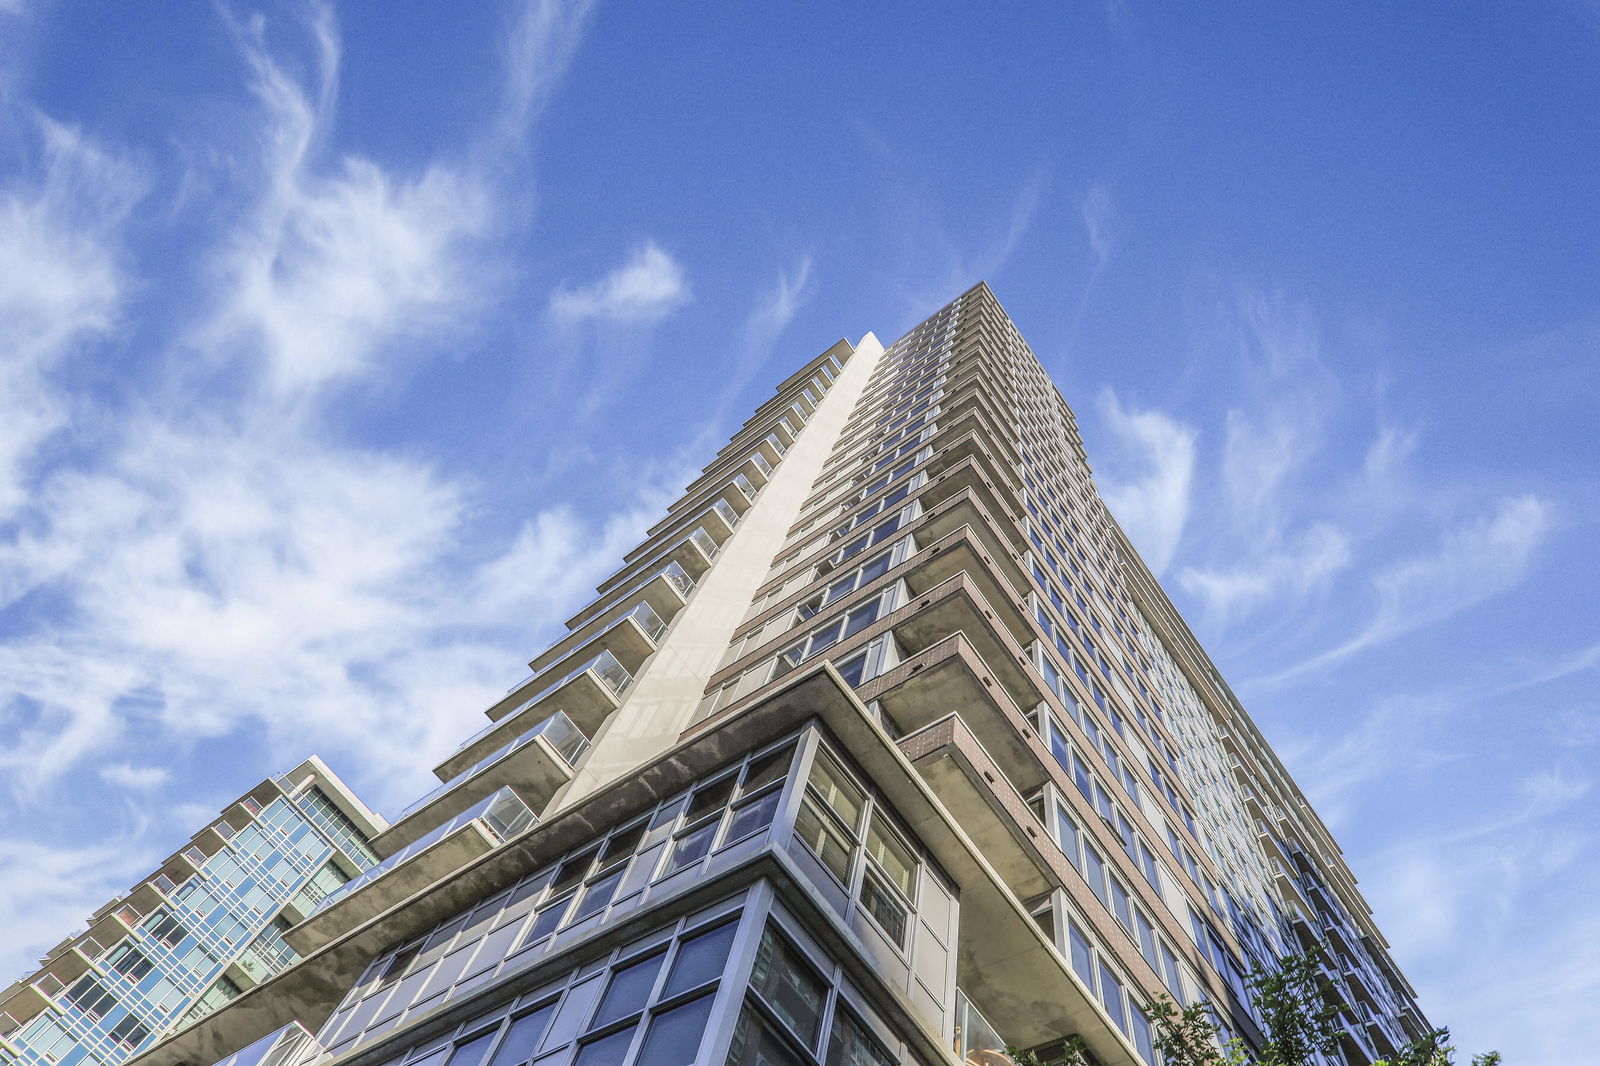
column 726, row 511
column 761, row 464
column 502, row 813
column 648, row 620
column 679, row 578
column 293, row 1043
column 613, row 676
column 976, row 1042
column 744, row 486
column 558, row 731
column 705, row 543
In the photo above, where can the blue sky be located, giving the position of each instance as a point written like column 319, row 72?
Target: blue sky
column 343, row 349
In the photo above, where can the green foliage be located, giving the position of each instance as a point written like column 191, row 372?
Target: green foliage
column 1072, row 1051
column 1435, row 1049
column 1298, row 1022
column 1190, row 1037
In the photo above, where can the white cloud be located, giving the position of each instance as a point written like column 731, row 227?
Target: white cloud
column 238, row 568
column 137, row 778
column 1522, row 982
column 1304, row 562
column 337, row 261
column 643, row 290
column 1149, row 490
column 54, row 889
column 1477, row 560
column 1100, row 220
column 59, row 283
column 777, row 308
column 538, row 50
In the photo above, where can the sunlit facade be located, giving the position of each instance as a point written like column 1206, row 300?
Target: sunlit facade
column 882, row 747
column 198, row 931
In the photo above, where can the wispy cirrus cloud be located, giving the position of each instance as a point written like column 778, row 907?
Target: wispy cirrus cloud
column 1147, row 483
column 134, row 778
column 642, row 291
column 539, row 47
column 1476, row 560
column 226, row 561
column 758, row 335
column 340, row 257
column 1300, row 563
column 60, row 280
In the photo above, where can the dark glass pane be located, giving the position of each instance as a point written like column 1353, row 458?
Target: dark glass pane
column 755, row 1044
column 849, row 1044
column 690, row 848
column 523, row 1037
column 472, row 1052
column 674, row 1036
column 572, row 872
column 1082, row 958
column 861, row 618
column 628, row 991
column 771, row 767
column 597, row 895
column 789, row 986
column 885, row 906
column 1111, row 996
column 700, row 959
column 853, row 670
column 620, row 847
column 757, row 814
column 709, row 798
column 607, row 1051
column 547, row 921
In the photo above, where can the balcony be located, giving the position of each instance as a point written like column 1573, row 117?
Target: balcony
column 472, row 833
column 667, row 590
column 588, row 694
column 285, row 1046
column 975, row 1041
column 694, row 551
column 610, row 631
column 536, row 764
column 1289, row 885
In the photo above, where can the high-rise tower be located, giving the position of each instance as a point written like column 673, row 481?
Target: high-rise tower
column 883, row 747
column 204, row 926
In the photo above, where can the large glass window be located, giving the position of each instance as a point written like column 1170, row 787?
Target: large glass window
column 889, row 882
column 788, row 985
column 829, row 814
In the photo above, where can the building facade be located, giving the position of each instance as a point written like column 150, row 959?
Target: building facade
column 198, row 931
column 882, row 747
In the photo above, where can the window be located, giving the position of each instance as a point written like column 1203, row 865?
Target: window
column 91, row 997
column 130, row 962
column 850, row 1043
column 827, row 636
column 700, row 959
column 1082, row 957
column 759, row 793
column 628, row 990
column 1094, row 871
column 888, row 885
column 129, row 1033
column 787, row 984
column 829, row 814
column 523, row 1037
column 1111, row 996
column 164, row 927
column 756, row 1042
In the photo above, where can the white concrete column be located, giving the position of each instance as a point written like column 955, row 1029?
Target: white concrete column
column 667, row 690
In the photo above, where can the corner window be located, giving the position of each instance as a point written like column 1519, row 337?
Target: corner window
column 787, row 984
